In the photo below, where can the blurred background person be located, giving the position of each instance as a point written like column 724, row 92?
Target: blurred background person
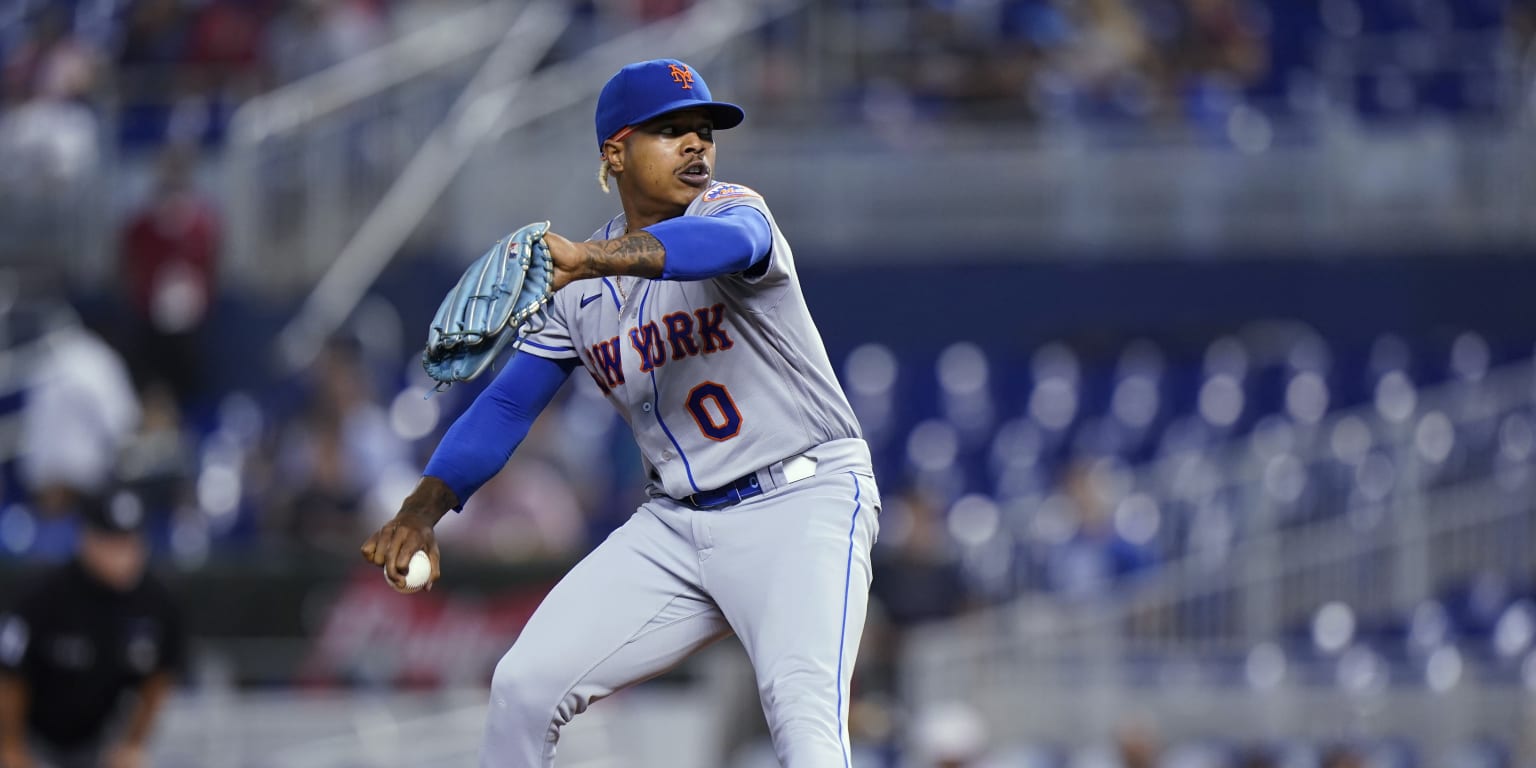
column 169, row 266
column 1256, row 757
column 80, row 411
column 158, row 463
column 88, row 655
column 49, row 135
column 950, row 735
column 1342, row 756
column 1089, row 562
column 52, row 63
column 332, row 454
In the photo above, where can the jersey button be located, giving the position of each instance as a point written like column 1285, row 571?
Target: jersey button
column 666, row 456
column 645, row 407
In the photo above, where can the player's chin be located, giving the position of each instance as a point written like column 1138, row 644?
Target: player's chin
column 685, row 192
column 694, row 183
column 677, row 193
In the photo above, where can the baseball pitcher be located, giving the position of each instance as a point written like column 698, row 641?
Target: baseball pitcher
column 686, row 309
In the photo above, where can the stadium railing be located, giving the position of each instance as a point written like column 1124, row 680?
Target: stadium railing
column 481, row 114
column 307, row 161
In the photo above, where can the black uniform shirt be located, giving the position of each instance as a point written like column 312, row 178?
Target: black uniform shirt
column 79, row 645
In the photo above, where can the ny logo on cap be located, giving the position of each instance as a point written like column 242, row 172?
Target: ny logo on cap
column 681, row 75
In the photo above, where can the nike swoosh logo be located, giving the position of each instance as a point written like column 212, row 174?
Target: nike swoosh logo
column 585, row 300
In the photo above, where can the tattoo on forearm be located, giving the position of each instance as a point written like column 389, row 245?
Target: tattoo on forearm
column 639, row 254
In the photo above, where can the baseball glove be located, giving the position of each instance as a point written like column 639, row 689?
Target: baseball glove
column 491, row 304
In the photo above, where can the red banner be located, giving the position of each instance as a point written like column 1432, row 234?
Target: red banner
column 372, row 634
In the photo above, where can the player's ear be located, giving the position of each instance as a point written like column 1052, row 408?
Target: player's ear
column 613, row 152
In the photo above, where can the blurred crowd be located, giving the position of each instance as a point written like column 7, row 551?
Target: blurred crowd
column 114, row 393
column 144, row 52
column 173, row 68
column 1191, row 62
column 1145, row 60
column 314, row 466
column 81, row 78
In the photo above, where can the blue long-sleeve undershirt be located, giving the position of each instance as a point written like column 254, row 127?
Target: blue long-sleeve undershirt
column 479, row 443
column 699, row 247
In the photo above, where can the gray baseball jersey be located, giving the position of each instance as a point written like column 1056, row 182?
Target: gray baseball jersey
column 717, row 377
column 721, row 380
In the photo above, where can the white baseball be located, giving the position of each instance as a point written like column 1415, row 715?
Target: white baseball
column 416, row 573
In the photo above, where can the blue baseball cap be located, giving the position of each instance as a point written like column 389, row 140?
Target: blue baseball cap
column 652, row 88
